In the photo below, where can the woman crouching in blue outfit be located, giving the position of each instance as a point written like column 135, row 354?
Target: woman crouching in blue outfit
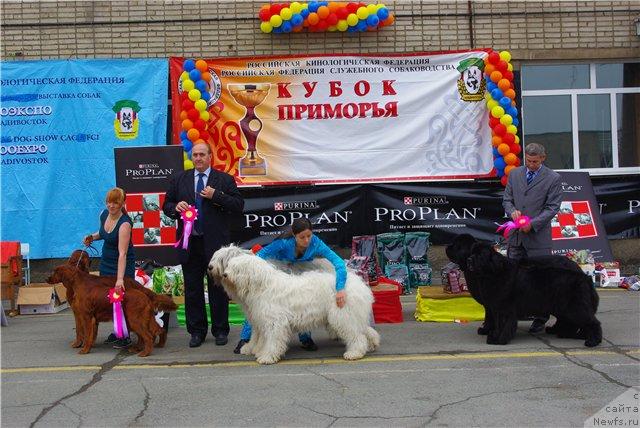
column 300, row 245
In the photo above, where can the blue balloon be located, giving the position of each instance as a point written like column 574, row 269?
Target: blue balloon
column 513, row 111
column 189, row 65
column 277, row 29
column 505, row 102
column 496, row 94
column 362, row 26
column 515, row 122
column 187, row 145
column 491, row 86
column 183, row 135
column 205, row 96
column 373, row 21
column 313, row 6
column 499, row 163
column 296, row 19
column 383, row 13
column 287, row 27
column 201, row 85
column 189, row 154
column 195, row 75
column 500, row 172
column 352, row 29
column 495, row 152
column 304, row 13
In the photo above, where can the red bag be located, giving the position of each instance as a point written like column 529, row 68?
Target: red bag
column 386, row 306
column 9, row 250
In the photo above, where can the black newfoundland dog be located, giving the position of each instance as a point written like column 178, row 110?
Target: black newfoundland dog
column 536, row 286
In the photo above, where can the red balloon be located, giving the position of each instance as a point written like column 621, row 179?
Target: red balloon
column 509, row 139
column 332, row 19
column 502, row 66
column 352, row 7
column 184, row 96
column 275, row 9
column 342, row 13
column 503, row 180
column 187, row 104
column 499, row 129
column 494, row 58
column 200, row 125
column 193, row 114
column 517, row 162
column 204, row 135
column 493, row 121
column 515, row 148
column 508, row 75
column 323, row 25
column 264, row 15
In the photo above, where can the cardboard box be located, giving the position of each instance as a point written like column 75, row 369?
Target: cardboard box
column 42, row 299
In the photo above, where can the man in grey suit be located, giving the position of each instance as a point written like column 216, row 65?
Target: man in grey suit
column 535, row 191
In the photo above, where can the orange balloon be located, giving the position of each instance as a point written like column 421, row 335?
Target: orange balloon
column 193, row 134
column 496, row 141
column 202, row 65
column 323, row 12
column 334, row 6
column 183, row 115
column 313, row 18
column 503, row 149
column 510, row 158
column 504, row 84
column 508, row 168
column 206, row 76
column 390, row 20
column 187, row 124
column 489, row 68
column 496, row 76
column 509, row 92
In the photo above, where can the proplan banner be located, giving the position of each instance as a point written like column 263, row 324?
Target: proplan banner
column 344, row 118
column 60, row 123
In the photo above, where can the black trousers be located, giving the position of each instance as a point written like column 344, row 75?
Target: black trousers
column 194, row 271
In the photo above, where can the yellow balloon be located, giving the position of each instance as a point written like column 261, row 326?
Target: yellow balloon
column 487, row 96
column 342, row 25
column 372, row 8
column 352, row 19
column 295, row 7
column 286, row 14
column 275, row 21
column 380, row 6
column 511, row 129
column 185, row 156
column 497, row 112
column 266, row 27
column 205, row 115
column 506, row 120
column 517, row 140
column 188, row 164
column 510, row 67
column 362, row 12
column 200, row 105
column 184, row 76
column 491, row 104
column 194, row 95
column 505, row 56
column 188, row 85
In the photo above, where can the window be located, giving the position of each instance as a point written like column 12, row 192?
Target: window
column 586, row 115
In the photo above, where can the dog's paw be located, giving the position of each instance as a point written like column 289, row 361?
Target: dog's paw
column 483, row 331
column 247, row 349
column 76, row 343
column 590, row 343
column 144, row 354
column 267, row 359
column 352, row 355
column 83, row 351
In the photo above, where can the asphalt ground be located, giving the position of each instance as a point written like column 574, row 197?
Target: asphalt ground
column 423, row 374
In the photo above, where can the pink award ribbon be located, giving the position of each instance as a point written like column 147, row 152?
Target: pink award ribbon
column 507, row 227
column 119, row 322
column 189, row 216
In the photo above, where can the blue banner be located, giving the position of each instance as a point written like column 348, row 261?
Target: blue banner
column 61, row 121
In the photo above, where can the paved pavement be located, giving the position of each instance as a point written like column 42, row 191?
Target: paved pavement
column 424, row 374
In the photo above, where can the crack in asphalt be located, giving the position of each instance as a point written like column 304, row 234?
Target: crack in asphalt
column 619, row 350
column 433, row 416
column 578, row 362
column 336, row 418
column 104, row 368
column 75, row 413
column 145, row 404
column 342, row 386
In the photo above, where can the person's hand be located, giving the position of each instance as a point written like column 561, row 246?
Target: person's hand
column 515, row 215
column 120, row 285
column 526, row 228
column 208, row 192
column 182, row 206
column 87, row 240
column 341, row 298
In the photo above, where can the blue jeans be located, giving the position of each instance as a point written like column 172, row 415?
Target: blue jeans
column 245, row 334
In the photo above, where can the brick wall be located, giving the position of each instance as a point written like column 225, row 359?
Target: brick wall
column 121, row 29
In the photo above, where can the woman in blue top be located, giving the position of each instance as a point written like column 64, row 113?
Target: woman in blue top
column 117, row 258
column 301, row 245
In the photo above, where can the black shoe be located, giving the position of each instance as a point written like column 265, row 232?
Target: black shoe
column 111, row 339
column 239, row 346
column 309, row 345
column 221, row 339
column 123, row 343
column 537, row 326
column 196, row 340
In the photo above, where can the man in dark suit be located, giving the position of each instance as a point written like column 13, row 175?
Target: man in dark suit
column 535, row 191
column 216, row 197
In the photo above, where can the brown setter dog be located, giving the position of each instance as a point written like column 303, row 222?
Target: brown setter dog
column 160, row 302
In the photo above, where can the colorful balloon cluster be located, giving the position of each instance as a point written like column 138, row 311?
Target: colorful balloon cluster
column 503, row 114
column 323, row 16
column 195, row 81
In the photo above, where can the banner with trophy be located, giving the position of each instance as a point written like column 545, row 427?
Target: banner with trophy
column 342, row 118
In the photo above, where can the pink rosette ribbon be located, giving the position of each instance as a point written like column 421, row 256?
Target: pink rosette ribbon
column 119, row 322
column 189, row 216
column 507, row 227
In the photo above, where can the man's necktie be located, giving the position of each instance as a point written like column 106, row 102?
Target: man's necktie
column 199, row 188
column 530, row 175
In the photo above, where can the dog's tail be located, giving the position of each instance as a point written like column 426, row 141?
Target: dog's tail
column 163, row 302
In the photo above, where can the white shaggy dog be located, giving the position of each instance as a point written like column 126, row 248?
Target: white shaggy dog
column 278, row 304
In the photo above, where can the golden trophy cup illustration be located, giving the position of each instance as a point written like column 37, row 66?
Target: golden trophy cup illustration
column 250, row 95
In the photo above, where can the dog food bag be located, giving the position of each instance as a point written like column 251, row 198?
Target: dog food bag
column 417, row 246
column 365, row 246
column 400, row 274
column 420, row 274
column 360, row 265
column 453, row 279
column 390, row 249
column 168, row 280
